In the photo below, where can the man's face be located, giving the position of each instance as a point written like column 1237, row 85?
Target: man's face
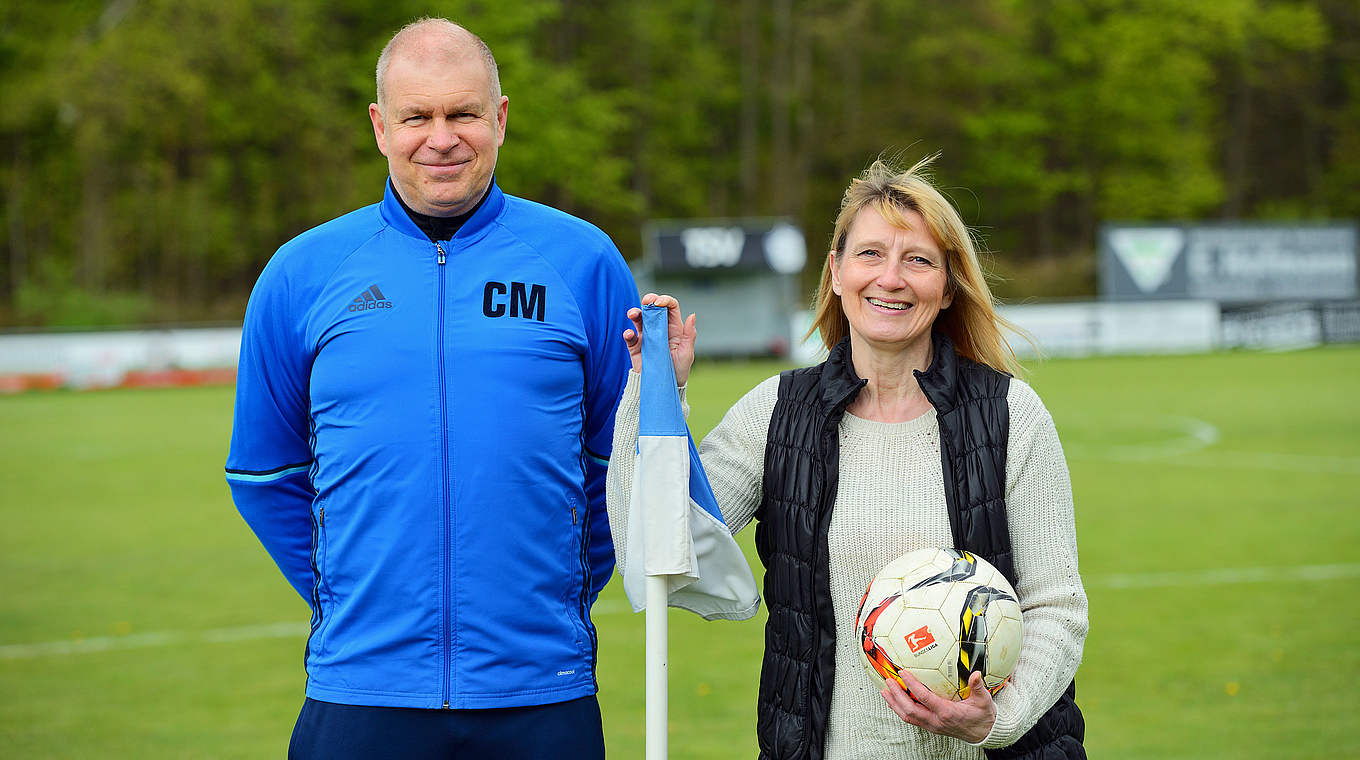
column 440, row 128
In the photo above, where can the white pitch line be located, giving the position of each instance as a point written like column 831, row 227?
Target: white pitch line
column 1253, row 460
column 1199, row 438
column 1222, row 576
column 1264, row 460
column 96, row 644
column 161, row 638
column 1192, row 435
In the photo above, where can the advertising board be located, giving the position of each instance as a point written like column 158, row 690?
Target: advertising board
column 1230, row 263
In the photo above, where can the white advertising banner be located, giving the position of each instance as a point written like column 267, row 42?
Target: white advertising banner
column 1086, row 328
column 1103, row 327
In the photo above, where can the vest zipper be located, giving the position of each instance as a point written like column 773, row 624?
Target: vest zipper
column 446, row 509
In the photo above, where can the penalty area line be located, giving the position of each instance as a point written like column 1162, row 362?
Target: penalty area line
column 1221, row 576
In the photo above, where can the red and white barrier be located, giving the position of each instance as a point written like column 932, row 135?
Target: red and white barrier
column 118, row 359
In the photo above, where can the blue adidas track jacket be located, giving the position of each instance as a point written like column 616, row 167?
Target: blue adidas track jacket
column 420, row 442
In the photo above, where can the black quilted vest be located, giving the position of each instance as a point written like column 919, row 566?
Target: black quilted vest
column 802, row 456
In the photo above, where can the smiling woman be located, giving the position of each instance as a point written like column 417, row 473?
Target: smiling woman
column 912, row 434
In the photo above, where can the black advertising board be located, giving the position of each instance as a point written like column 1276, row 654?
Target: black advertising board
column 714, row 246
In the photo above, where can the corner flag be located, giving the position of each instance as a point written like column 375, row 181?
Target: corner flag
column 674, row 525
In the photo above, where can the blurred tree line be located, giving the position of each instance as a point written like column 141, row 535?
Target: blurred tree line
column 156, row 152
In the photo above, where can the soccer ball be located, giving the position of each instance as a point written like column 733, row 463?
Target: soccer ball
column 940, row 614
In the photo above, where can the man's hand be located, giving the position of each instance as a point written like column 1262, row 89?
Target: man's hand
column 680, row 333
column 970, row 720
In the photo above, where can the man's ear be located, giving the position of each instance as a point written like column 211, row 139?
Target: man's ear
column 379, row 127
column 502, row 114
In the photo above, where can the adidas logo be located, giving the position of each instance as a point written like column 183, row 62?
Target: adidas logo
column 372, row 298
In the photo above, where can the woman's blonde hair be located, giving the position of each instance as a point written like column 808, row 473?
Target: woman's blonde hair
column 971, row 321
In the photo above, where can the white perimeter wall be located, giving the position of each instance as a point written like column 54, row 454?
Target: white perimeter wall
column 105, row 359
column 1089, row 328
column 1095, row 327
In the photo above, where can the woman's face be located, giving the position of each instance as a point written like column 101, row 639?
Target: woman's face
column 891, row 281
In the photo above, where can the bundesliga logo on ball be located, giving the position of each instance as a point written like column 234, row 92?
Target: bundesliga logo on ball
column 940, row 614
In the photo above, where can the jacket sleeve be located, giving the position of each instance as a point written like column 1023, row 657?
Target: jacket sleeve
column 607, row 367
column 270, row 458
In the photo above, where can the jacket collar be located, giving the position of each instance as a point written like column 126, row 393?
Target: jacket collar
column 940, row 380
column 840, row 384
column 473, row 228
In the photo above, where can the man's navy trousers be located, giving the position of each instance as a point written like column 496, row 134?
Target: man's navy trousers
column 563, row 731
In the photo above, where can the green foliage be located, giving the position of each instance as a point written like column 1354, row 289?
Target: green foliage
column 119, row 526
column 52, row 298
column 168, row 147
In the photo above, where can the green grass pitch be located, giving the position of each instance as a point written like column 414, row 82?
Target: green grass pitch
column 1216, row 506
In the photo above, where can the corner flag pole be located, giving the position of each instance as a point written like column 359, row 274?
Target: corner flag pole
column 658, row 594
column 665, row 523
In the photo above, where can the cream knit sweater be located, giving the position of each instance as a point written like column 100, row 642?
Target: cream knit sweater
column 890, row 500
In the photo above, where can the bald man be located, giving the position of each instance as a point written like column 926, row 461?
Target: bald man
column 424, row 414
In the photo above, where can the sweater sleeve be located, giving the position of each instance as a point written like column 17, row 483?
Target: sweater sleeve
column 733, row 457
column 619, row 477
column 1044, row 540
column 733, row 454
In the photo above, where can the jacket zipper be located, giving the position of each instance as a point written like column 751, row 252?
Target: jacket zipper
column 446, row 514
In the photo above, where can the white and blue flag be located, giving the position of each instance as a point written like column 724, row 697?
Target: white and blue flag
column 674, row 526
